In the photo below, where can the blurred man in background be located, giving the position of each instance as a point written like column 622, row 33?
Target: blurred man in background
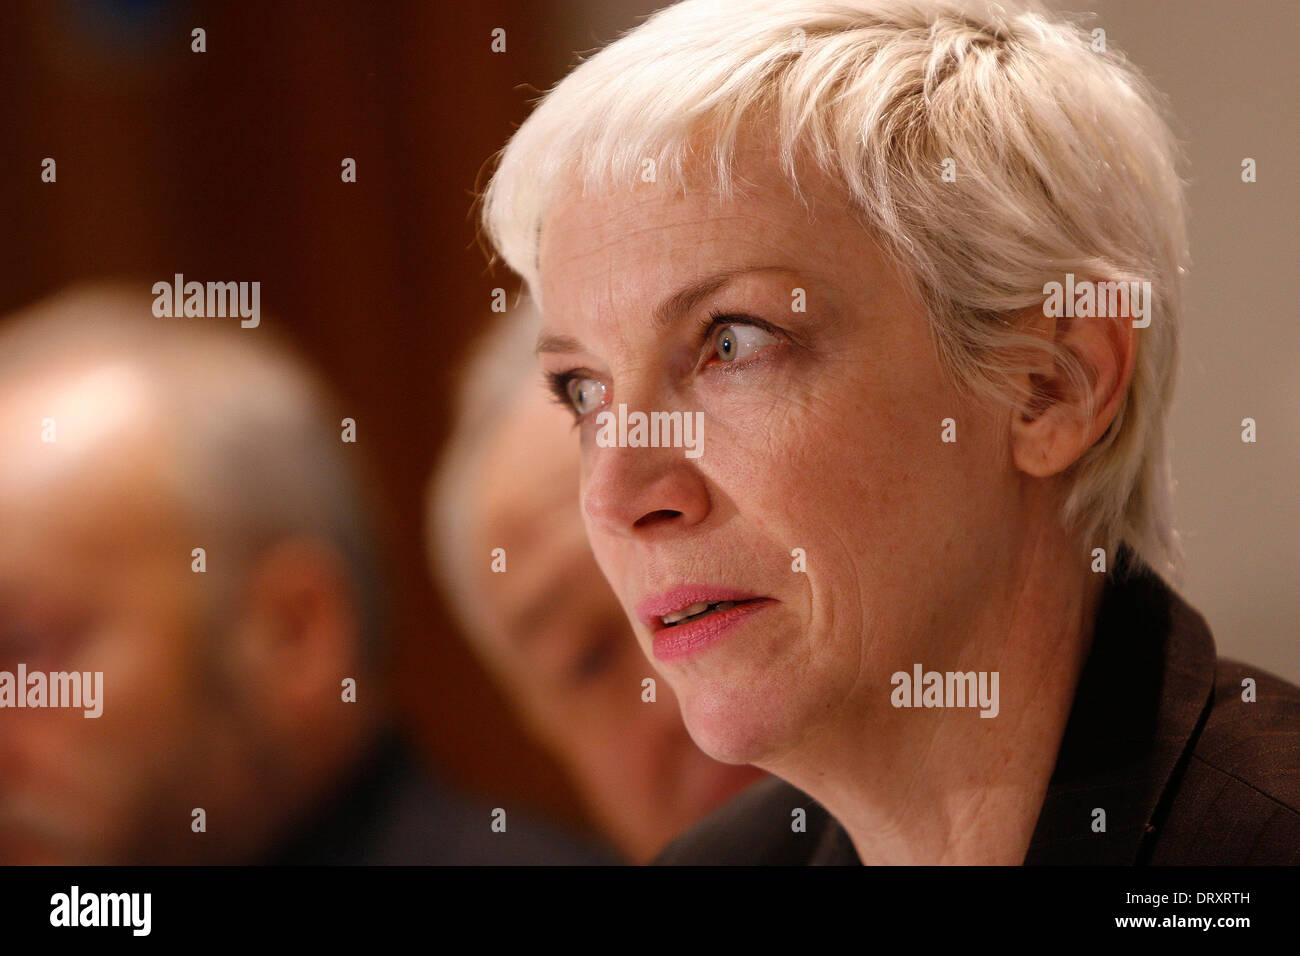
column 179, row 512
column 547, row 627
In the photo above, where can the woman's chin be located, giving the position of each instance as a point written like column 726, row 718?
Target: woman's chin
column 736, row 725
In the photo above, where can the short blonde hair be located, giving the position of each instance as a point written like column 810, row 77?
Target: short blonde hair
column 1064, row 164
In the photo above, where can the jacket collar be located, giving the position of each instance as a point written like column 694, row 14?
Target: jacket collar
column 1142, row 698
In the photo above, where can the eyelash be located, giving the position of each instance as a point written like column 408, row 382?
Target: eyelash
column 557, row 383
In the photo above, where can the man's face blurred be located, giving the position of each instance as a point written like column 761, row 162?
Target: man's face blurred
column 561, row 642
column 95, row 576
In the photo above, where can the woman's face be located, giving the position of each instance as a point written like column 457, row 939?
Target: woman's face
column 823, row 488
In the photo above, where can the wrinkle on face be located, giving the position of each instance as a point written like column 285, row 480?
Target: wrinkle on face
column 833, row 446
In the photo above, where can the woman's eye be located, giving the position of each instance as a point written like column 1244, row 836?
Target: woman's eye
column 739, row 341
column 585, row 393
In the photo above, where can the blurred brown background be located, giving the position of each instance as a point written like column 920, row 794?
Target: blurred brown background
column 225, row 165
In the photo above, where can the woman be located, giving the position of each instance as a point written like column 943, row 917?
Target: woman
column 913, row 268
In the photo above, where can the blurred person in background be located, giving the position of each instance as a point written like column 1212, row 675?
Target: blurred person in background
column 127, row 442
column 548, row 628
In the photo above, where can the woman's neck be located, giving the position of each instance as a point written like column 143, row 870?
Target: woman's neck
column 916, row 780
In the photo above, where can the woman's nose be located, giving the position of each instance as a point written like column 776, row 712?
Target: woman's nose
column 639, row 490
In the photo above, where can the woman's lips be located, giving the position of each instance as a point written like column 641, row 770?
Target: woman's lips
column 651, row 611
column 671, row 641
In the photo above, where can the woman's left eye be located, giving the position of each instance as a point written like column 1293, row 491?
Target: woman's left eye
column 738, row 340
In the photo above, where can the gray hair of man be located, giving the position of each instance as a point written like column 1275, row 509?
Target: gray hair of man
column 258, row 449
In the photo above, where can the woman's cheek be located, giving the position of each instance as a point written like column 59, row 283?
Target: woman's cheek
column 763, row 408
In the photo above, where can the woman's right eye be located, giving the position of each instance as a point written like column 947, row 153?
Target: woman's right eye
column 585, row 394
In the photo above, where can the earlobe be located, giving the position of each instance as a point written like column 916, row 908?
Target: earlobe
column 1046, row 441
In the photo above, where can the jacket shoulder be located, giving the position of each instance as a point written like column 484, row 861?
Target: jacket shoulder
column 755, row 828
column 1253, row 731
column 1239, row 797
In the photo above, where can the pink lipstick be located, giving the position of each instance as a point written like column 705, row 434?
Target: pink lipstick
column 689, row 618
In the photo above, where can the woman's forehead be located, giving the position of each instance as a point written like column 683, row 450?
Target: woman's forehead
column 616, row 236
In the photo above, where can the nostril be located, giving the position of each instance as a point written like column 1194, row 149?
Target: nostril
column 654, row 517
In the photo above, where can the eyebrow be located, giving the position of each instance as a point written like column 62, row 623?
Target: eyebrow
column 667, row 312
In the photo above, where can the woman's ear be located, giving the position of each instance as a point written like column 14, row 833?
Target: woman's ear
column 1068, row 409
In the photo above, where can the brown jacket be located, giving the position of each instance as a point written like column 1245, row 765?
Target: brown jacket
column 1159, row 737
